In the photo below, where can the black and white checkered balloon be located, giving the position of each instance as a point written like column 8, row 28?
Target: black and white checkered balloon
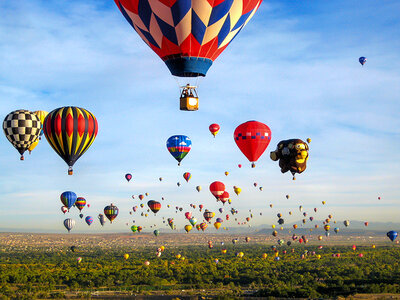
column 22, row 128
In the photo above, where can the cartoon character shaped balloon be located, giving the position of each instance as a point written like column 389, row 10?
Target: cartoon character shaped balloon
column 292, row 155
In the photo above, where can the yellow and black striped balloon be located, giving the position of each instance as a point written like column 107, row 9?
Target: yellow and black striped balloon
column 70, row 131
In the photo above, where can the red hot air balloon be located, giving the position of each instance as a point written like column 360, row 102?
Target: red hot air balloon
column 187, row 176
column 217, row 188
column 224, row 197
column 141, row 197
column 214, row 128
column 252, row 138
column 188, row 215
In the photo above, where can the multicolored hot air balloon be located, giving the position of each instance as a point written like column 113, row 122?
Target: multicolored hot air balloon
column 154, row 206
column 187, row 176
column 68, row 198
column 41, row 114
column 70, row 131
column 80, row 203
column 64, row 209
column 252, row 138
column 214, row 129
column 179, row 146
column 188, row 35
column 22, row 128
column 111, row 212
column 69, row 224
column 208, row 215
column 89, row 220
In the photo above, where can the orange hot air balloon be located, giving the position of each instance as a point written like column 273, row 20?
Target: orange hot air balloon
column 366, row 223
column 214, row 129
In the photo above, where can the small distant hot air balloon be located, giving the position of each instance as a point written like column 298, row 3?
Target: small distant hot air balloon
column 237, row 190
column 193, row 221
column 128, row 177
column 346, row 223
column 362, row 60
column 366, row 223
column 214, row 129
column 156, row 232
column 203, row 226
column 224, row 197
column 80, row 203
column 187, row 176
column 252, row 138
column 217, row 225
column 102, row 219
column 392, row 235
column 64, row 209
column 69, row 224
column 89, row 220
column 208, row 215
column 188, row 228
column 78, row 260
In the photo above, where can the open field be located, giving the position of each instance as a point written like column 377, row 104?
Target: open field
column 44, row 266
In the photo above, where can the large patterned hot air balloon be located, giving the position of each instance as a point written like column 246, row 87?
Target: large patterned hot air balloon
column 154, row 206
column 179, row 146
column 111, row 212
column 188, row 35
column 252, row 138
column 22, row 128
column 80, row 203
column 217, row 188
column 68, row 198
column 292, row 155
column 70, row 131
column 69, row 224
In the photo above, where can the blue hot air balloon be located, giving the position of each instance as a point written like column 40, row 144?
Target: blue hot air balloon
column 68, row 198
column 392, row 235
column 362, row 60
column 89, row 220
column 179, row 146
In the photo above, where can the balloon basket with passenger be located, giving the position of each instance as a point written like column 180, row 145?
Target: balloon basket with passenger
column 189, row 100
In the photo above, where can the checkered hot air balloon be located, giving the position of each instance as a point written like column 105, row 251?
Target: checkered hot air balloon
column 188, row 35
column 22, row 128
column 70, row 131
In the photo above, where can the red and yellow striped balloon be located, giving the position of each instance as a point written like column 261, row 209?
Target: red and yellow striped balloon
column 70, row 131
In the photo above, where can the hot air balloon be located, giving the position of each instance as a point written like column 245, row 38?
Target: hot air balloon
column 208, row 215
column 217, row 225
column 292, row 155
column 154, row 206
column 22, row 128
column 70, row 131
column 224, row 197
column 203, row 226
column 64, row 209
column 362, row 60
column 198, row 188
column 126, row 256
column 69, row 224
column 188, row 36
column 187, row 176
column 188, row 215
column 128, row 177
column 274, row 233
column 214, row 129
column 68, row 198
column 111, row 212
column 156, row 232
column 237, row 190
column 327, row 227
column 102, row 219
column 78, row 260
column 193, row 221
column 392, row 235
column 217, row 188
column 41, row 114
column 336, row 229
column 139, row 228
column 134, row 228
column 80, row 203
column 33, row 145
column 366, row 223
column 179, row 146
column 89, row 220
column 252, row 138
column 240, row 254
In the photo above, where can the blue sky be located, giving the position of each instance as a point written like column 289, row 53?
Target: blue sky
column 294, row 67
